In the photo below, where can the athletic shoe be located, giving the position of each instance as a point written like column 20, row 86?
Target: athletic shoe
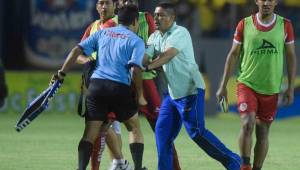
column 120, row 166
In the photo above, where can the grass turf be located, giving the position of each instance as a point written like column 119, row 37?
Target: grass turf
column 50, row 143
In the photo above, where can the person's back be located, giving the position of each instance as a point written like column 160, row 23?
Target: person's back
column 115, row 53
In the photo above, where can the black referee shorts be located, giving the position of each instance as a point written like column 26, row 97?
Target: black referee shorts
column 105, row 96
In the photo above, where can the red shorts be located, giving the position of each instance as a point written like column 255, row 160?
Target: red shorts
column 265, row 106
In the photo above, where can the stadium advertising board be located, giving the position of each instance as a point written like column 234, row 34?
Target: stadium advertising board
column 54, row 28
column 25, row 86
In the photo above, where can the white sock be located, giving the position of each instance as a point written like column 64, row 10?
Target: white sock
column 118, row 161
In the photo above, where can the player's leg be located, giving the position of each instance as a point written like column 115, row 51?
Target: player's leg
column 114, row 136
column 191, row 109
column 265, row 115
column 125, row 107
column 114, row 144
column 98, row 149
column 85, row 146
column 97, row 109
column 247, row 106
column 167, row 128
column 136, row 141
column 261, row 145
column 152, row 97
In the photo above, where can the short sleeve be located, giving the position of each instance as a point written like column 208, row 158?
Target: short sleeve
column 239, row 32
column 137, row 53
column 90, row 44
column 178, row 39
column 289, row 32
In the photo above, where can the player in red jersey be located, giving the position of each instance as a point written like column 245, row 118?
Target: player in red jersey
column 260, row 40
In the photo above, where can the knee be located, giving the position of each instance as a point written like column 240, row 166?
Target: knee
column 248, row 127
column 195, row 131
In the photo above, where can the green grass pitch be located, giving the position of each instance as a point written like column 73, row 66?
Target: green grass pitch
column 50, row 143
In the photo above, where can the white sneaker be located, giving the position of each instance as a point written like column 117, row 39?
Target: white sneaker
column 124, row 165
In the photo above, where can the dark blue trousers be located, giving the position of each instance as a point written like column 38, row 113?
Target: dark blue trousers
column 188, row 111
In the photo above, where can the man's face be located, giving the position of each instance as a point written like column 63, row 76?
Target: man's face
column 266, row 7
column 105, row 9
column 162, row 19
column 128, row 2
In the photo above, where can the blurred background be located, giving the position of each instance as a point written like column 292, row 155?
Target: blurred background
column 36, row 35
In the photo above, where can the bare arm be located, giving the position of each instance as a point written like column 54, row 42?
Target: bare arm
column 82, row 59
column 291, row 61
column 138, row 82
column 163, row 58
column 230, row 64
column 71, row 59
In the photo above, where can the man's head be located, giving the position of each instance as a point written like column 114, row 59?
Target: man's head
column 106, row 8
column 128, row 2
column 164, row 16
column 266, row 7
column 128, row 15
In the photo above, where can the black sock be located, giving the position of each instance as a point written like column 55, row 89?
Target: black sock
column 256, row 168
column 85, row 149
column 137, row 151
column 245, row 160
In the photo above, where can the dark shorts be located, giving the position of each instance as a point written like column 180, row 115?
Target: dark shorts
column 106, row 96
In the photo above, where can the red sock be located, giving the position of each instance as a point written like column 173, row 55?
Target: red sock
column 97, row 153
column 246, row 167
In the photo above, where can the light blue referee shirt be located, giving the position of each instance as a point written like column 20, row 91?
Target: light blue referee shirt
column 181, row 71
column 117, row 49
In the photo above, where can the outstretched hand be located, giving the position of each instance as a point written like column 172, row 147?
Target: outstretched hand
column 57, row 76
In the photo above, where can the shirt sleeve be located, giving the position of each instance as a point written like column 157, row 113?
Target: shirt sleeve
column 181, row 36
column 87, row 32
column 150, row 46
column 90, row 44
column 150, row 21
column 289, row 32
column 137, row 53
column 239, row 33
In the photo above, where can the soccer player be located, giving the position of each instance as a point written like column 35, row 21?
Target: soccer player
column 261, row 43
column 3, row 87
column 109, row 89
column 184, row 103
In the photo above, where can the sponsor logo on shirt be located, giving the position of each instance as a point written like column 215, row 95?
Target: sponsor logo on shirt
column 266, row 48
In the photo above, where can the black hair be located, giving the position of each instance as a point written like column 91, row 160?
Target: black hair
column 128, row 14
column 170, row 7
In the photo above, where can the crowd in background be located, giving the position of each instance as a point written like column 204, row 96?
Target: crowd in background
column 212, row 19
column 218, row 18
